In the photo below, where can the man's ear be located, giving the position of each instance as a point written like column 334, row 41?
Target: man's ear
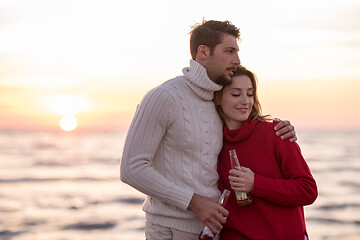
column 203, row 52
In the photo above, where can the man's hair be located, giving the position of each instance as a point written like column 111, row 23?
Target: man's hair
column 210, row 33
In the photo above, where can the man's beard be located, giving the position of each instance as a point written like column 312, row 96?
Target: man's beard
column 223, row 80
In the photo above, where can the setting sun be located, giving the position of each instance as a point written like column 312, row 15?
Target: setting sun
column 68, row 123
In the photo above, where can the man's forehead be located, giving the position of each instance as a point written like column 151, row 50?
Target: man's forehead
column 229, row 41
column 230, row 46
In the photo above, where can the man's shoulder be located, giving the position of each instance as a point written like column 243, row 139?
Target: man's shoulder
column 166, row 89
column 171, row 86
column 174, row 82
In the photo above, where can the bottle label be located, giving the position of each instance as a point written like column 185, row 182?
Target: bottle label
column 240, row 196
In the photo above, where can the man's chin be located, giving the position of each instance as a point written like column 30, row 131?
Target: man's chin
column 223, row 80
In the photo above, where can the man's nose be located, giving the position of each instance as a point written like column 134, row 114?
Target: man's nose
column 237, row 59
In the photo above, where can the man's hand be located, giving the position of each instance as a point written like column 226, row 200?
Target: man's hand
column 212, row 214
column 285, row 130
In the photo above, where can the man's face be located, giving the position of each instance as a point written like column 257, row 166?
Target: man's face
column 220, row 65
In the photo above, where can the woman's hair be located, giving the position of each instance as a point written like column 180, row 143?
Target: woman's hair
column 256, row 111
column 210, row 33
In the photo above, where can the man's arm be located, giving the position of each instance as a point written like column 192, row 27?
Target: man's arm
column 144, row 136
column 285, row 130
column 147, row 129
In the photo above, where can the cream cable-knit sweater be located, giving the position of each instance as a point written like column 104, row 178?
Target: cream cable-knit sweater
column 172, row 146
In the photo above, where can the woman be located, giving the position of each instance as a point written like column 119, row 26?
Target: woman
column 274, row 173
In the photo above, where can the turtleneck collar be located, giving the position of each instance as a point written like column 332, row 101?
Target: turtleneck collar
column 198, row 80
column 238, row 135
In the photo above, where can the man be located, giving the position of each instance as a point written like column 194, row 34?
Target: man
column 171, row 149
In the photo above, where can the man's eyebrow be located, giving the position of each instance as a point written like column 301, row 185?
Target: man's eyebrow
column 232, row 48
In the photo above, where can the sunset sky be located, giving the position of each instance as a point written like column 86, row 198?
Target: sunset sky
column 96, row 59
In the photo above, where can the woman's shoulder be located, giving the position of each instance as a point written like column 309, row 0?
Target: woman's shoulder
column 266, row 126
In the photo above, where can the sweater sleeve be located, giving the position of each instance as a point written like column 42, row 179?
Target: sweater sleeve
column 152, row 118
column 297, row 187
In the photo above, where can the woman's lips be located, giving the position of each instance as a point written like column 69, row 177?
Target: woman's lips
column 244, row 110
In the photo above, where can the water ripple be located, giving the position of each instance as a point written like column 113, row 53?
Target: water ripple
column 85, row 226
column 5, row 235
column 332, row 221
column 28, row 180
column 339, row 206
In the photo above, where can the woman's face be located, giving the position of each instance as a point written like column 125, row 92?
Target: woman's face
column 237, row 101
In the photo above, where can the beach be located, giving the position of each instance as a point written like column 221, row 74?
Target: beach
column 65, row 185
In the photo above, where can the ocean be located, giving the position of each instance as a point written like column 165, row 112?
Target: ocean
column 65, row 185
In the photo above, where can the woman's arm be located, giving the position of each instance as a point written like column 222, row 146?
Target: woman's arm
column 296, row 188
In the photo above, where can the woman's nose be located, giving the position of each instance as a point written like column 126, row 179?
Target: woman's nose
column 244, row 99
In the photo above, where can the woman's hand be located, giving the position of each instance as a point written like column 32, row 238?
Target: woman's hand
column 241, row 180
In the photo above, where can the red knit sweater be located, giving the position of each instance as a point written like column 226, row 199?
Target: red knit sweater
column 283, row 184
